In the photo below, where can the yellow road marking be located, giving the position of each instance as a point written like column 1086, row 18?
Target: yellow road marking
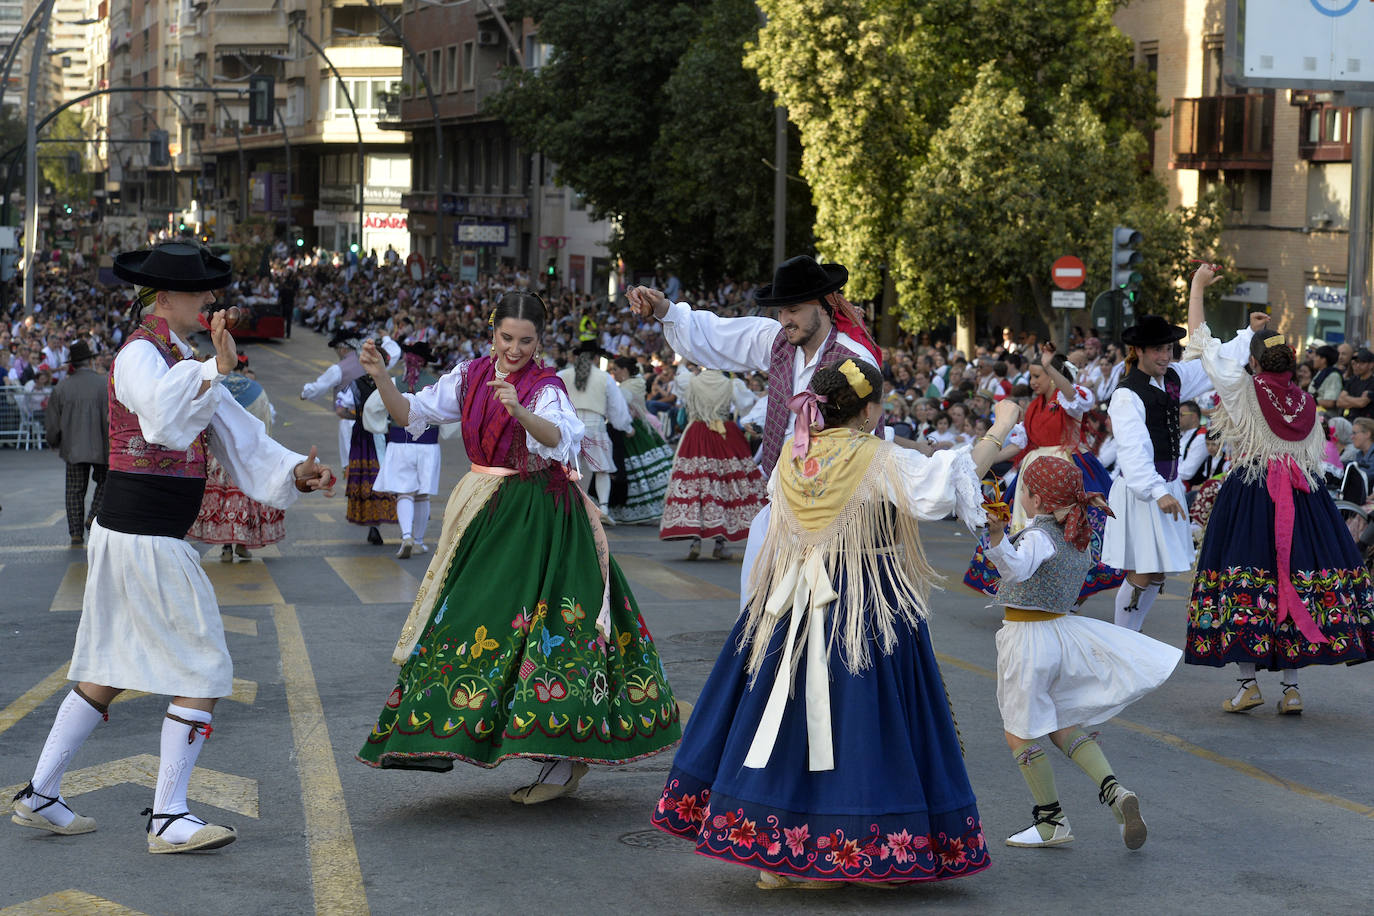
column 73, row 902
column 669, row 583
column 324, row 517
column 238, row 794
column 245, row 692
column 1182, row 744
column 244, row 626
column 31, row 699
column 378, row 580
column 73, row 587
column 242, row 584
column 335, row 875
column 330, row 542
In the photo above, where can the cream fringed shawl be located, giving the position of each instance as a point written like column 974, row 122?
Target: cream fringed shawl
column 836, row 505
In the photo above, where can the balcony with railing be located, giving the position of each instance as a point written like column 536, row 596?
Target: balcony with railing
column 1324, row 135
column 1223, row 132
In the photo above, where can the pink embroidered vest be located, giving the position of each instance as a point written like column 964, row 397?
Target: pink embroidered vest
column 777, row 424
column 129, row 451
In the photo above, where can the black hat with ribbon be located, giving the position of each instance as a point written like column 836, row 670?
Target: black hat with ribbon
column 801, row 279
column 175, row 267
column 1152, row 331
column 80, row 353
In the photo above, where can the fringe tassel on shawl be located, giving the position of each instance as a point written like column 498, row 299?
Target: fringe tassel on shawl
column 870, row 538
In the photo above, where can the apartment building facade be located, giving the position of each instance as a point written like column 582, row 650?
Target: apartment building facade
column 1281, row 158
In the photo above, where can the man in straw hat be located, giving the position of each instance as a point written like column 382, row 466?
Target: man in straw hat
column 77, row 425
column 149, row 618
column 1150, row 537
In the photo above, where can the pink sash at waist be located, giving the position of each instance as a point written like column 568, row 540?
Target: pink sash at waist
column 495, row 472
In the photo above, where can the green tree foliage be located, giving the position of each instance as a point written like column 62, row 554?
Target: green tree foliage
column 649, row 113
column 54, row 157
column 967, row 145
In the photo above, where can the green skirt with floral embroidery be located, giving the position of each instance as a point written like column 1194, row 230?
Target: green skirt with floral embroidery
column 510, row 663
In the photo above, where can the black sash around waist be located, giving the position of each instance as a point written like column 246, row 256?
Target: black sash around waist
column 398, row 434
column 150, row 504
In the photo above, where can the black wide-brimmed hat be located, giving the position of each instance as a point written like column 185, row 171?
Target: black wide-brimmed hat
column 592, row 347
column 175, row 267
column 420, row 349
column 80, row 353
column 345, row 337
column 801, row 279
column 1152, row 331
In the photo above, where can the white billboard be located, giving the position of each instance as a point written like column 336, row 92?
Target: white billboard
column 1300, row 44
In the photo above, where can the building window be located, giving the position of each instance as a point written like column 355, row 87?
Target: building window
column 1264, row 185
column 1212, row 82
column 406, row 80
column 469, row 64
column 451, row 68
column 436, row 77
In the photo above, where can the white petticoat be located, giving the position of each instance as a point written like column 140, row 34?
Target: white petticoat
column 149, row 619
column 596, row 444
column 407, row 467
column 1141, row 538
column 1073, row 670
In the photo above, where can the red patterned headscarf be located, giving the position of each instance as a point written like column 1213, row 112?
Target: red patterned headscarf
column 1058, row 484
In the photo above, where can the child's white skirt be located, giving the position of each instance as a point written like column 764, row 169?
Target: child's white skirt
column 1072, row 670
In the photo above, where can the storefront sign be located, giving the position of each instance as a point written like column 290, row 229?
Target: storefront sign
column 496, row 234
column 1254, row 291
column 1324, row 297
column 384, row 221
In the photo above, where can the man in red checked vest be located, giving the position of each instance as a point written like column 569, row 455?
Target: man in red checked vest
column 149, row 618
column 815, row 326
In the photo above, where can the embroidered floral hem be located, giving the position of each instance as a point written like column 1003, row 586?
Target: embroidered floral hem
column 716, row 489
column 913, row 846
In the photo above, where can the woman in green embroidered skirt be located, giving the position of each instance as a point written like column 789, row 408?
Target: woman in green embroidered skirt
column 524, row 640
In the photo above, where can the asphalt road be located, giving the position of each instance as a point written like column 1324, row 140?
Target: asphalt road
column 1248, row 814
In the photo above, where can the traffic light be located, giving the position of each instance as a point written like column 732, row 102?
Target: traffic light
column 552, row 270
column 300, row 242
column 158, row 151
column 353, row 248
column 1126, row 259
column 262, row 92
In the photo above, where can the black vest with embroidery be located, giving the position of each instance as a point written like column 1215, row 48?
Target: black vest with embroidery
column 1161, row 411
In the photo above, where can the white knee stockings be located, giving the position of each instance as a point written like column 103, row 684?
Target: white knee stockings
column 1133, row 603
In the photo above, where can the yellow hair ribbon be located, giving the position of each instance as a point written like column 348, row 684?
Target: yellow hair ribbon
column 856, row 378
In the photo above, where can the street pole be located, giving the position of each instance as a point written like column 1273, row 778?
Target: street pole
column 357, row 126
column 286, row 141
column 779, row 185
column 1361, row 218
column 37, row 58
column 440, row 242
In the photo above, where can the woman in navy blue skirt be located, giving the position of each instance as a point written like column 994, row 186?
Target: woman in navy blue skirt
column 1279, row 581
column 823, row 749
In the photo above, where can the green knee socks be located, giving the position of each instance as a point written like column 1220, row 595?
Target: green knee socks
column 1083, row 750
column 1039, row 775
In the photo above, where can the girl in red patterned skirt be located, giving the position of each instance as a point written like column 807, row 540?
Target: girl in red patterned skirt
column 716, row 488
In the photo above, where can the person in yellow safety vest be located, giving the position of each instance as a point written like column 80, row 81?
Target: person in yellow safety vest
column 586, row 327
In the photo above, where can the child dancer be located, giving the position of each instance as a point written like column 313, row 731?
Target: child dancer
column 1056, row 671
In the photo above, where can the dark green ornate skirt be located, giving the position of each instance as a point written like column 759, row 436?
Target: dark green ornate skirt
column 510, row 662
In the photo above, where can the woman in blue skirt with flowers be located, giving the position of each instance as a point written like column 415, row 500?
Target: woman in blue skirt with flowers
column 1279, row 581
column 822, row 749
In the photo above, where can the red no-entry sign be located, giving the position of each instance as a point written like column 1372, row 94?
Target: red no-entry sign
column 1068, row 272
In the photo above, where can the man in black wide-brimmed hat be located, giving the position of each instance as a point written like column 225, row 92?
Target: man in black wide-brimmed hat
column 149, row 618
column 1150, row 536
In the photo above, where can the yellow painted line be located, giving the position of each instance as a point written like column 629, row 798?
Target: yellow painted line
column 298, row 360
column 242, row 584
column 377, row 580
column 73, row 902
column 245, row 692
column 238, row 794
column 72, row 588
column 669, row 583
column 34, row 548
column 48, row 522
column 323, row 517
column 332, row 542
column 335, row 875
column 1182, row 744
column 32, row 698
column 244, row 626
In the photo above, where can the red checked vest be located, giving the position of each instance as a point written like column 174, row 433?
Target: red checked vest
column 777, row 424
column 129, row 451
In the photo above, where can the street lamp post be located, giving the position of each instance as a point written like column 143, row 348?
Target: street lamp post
column 357, row 126
column 31, row 159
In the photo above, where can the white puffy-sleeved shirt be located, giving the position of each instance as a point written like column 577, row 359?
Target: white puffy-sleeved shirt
column 442, row 402
column 1018, row 562
column 326, row 382
column 171, row 412
column 1135, row 450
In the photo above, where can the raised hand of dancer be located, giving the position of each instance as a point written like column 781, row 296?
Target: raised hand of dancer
column 1047, row 353
column 1259, row 321
column 648, row 301
column 374, row 364
column 311, row 475
column 1206, row 274
column 1169, row 506
column 226, row 352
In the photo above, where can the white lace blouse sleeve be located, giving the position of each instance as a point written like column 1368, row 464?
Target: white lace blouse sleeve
column 166, row 399
column 552, row 404
column 439, row 403
column 1224, row 372
column 1080, row 403
column 1017, row 436
column 259, row 465
column 1018, row 562
column 944, row 483
column 729, row 344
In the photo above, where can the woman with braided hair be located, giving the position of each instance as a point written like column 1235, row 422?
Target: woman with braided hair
column 1279, row 582
column 1057, row 671
column 823, row 749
